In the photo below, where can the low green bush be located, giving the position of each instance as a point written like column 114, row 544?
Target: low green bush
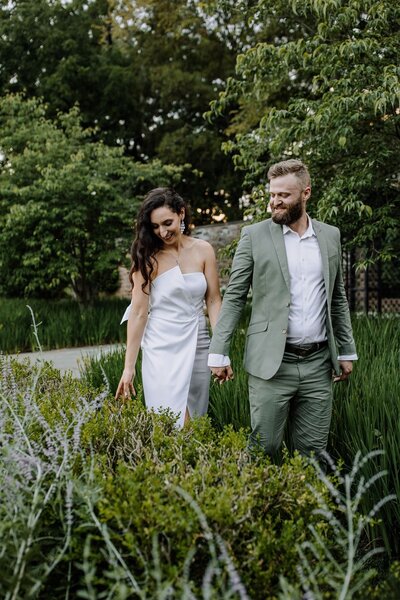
column 260, row 511
column 387, row 588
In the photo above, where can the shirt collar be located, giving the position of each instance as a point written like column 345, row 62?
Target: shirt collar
column 309, row 232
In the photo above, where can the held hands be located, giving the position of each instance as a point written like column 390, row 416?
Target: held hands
column 346, row 367
column 125, row 387
column 222, row 374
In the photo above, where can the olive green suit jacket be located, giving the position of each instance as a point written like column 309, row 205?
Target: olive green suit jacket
column 260, row 263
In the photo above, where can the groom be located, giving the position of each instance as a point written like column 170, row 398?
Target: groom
column 300, row 329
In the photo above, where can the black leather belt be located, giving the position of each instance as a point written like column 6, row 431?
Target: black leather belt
column 305, row 350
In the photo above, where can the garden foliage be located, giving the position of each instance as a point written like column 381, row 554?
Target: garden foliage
column 323, row 86
column 141, row 72
column 365, row 411
column 61, row 323
column 67, row 203
column 106, row 500
column 366, row 417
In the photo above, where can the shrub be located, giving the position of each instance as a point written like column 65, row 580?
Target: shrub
column 99, row 475
column 103, row 499
column 258, row 509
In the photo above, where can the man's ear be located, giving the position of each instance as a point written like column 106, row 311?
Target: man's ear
column 307, row 192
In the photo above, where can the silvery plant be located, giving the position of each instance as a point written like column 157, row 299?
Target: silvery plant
column 340, row 567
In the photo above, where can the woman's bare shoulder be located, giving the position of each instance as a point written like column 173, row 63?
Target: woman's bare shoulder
column 201, row 245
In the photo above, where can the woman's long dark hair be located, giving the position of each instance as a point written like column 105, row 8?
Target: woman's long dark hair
column 146, row 244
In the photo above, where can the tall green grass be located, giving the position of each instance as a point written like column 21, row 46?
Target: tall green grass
column 63, row 323
column 366, row 416
column 107, row 368
column 366, row 413
column 229, row 401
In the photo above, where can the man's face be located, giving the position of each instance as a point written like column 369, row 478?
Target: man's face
column 287, row 199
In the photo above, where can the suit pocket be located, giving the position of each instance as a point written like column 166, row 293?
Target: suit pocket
column 257, row 327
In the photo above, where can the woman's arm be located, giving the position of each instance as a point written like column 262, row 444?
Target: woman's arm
column 214, row 302
column 213, row 294
column 135, row 328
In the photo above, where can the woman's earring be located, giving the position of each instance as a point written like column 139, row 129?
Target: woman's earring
column 182, row 226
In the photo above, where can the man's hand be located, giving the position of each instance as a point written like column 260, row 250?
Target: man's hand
column 222, row 374
column 346, row 367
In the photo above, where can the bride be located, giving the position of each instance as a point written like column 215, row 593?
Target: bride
column 171, row 275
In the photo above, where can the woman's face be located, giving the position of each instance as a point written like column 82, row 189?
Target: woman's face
column 166, row 224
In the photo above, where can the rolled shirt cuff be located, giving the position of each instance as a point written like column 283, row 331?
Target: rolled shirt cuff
column 218, row 360
column 348, row 357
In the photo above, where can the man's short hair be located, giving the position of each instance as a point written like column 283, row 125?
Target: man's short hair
column 285, row 167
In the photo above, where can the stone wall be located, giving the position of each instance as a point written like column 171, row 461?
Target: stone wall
column 124, row 290
column 220, row 235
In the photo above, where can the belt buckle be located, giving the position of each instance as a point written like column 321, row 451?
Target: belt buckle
column 305, row 351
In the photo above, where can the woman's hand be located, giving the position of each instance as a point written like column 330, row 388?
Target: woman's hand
column 125, row 387
column 222, row 374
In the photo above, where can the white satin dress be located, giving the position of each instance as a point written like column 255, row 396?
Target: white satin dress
column 175, row 345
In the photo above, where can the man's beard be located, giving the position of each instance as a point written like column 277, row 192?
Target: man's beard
column 290, row 214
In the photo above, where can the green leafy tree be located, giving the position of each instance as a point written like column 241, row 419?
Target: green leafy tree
column 187, row 52
column 66, row 203
column 325, row 89
column 65, row 53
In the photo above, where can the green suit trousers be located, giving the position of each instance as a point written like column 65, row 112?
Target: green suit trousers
column 300, row 393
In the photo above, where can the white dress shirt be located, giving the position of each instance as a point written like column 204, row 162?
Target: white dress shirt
column 307, row 313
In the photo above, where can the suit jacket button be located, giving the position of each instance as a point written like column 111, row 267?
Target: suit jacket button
column 284, row 330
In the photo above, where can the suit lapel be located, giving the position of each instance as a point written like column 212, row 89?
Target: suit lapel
column 278, row 241
column 324, row 254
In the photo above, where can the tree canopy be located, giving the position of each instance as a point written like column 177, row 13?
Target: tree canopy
column 125, row 87
column 325, row 89
column 143, row 72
